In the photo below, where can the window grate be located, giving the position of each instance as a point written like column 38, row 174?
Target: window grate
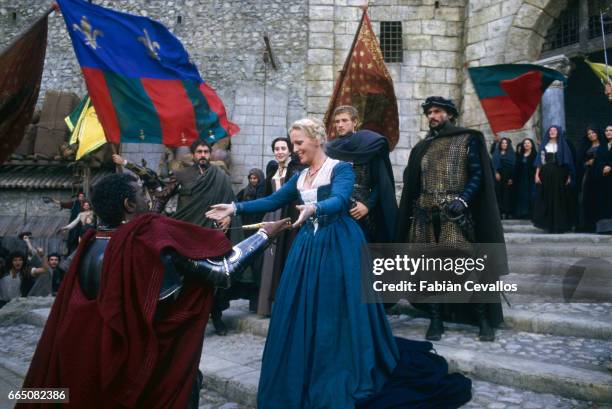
column 391, row 41
column 595, row 26
column 565, row 30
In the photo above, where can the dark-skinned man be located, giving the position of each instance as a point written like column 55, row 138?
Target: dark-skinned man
column 127, row 326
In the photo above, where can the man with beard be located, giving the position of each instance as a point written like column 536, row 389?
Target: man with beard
column 127, row 326
column 449, row 199
column 57, row 273
column 198, row 187
column 373, row 200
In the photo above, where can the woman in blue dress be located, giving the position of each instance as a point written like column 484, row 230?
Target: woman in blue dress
column 325, row 347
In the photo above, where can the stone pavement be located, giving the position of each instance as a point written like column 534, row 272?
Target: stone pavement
column 548, row 355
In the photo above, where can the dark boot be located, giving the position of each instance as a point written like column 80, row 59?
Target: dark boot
column 487, row 332
column 436, row 326
column 220, row 328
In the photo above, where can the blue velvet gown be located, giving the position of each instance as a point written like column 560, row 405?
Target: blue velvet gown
column 325, row 347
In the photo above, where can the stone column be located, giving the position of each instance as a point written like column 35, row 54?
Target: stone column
column 553, row 100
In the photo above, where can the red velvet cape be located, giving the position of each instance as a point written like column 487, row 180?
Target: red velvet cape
column 111, row 352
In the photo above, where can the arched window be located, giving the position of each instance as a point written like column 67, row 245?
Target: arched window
column 577, row 29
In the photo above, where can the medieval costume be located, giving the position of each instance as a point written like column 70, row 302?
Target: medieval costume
column 275, row 256
column 603, row 201
column 587, row 182
column 84, row 221
column 251, row 192
column 197, row 190
column 503, row 164
column 73, row 235
column 126, row 330
column 554, row 208
column 325, row 347
column 374, row 184
column 452, row 164
column 523, row 181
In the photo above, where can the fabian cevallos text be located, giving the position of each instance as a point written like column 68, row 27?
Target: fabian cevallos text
column 416, row 269
column 443, row 286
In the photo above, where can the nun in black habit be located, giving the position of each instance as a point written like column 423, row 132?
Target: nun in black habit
column 603, row 168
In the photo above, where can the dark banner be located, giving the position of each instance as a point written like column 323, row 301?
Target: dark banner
column 366, row 84
column 21, row 66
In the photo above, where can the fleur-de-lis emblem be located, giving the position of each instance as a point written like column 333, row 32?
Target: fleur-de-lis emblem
column 183, row 138
column 142, row 135
column 152, row 46
column 90, row 35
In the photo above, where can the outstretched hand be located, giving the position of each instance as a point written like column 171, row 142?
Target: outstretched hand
column 306, row 211
column 219, row 212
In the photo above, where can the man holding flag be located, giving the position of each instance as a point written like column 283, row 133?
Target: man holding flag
column 143, row 85
column 145, row 89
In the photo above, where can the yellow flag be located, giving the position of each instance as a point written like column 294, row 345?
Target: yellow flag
column 87, row 130
column 600, row 70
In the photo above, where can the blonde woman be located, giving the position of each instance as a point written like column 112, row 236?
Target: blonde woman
column 325, row 348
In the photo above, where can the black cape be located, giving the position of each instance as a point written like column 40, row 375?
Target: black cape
column 369, row 147
column 485, row 213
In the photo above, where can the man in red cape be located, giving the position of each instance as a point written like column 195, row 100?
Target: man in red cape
column 130, row 335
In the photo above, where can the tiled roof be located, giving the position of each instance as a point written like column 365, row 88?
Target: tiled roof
column 52, row 175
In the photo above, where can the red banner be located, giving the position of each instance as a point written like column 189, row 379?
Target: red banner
column 366, row 84
column 21, row 66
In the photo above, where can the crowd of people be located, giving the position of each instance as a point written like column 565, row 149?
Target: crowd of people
column 29, row 272
column 147, row 282
column 560, row 187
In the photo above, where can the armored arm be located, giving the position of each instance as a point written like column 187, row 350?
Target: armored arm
column 148, row 176
column 218, row 271
column 162, row 197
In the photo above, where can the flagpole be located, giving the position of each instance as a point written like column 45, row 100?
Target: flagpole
column 603, row 37
column 345, row 66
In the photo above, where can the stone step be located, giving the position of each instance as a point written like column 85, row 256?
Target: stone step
column 599, row 250
column 515, row 222
column 568, row 319
column 552, row 239
column 579, row 360
column 569, row 367
column 522, row 228
column 568, row 288
column 553, row 266
column 230, row 369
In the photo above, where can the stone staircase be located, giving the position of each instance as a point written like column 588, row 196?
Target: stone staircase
column 550, row 354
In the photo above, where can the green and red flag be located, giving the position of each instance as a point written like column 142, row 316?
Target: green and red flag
column 21, row 67
column 510, row 93
column 365, row 83
column 142, row 83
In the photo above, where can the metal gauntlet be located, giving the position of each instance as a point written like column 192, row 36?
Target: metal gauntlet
column 219, row 271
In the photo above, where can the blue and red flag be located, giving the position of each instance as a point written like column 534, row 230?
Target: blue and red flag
column 510, row 93
column 141, row 81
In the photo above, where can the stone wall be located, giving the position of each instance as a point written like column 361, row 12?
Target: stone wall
column 504, row 31
column 310, row 40
column 433, row 56
column 225, row 39
column 13, row 202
